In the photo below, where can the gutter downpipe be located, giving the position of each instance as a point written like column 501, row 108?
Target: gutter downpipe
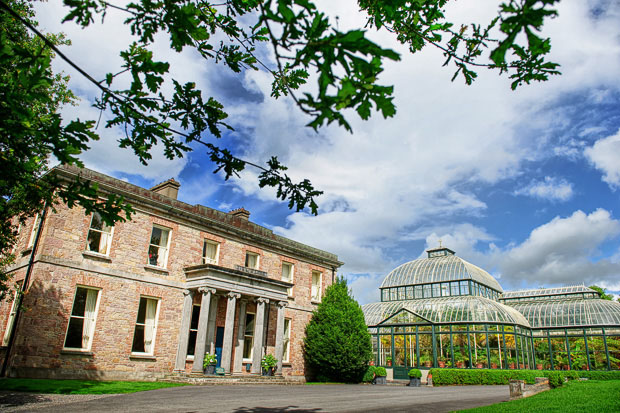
column 20, row 294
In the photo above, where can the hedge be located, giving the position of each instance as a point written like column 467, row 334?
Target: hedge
column 446, row 377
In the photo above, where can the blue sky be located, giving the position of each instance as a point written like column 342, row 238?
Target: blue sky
column 523, row 184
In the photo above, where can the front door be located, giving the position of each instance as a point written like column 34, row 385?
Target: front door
column 219, row 343
column 400, row 357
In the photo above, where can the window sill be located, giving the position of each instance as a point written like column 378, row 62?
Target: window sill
column 142, row 357
column 153, row 268
column 96, row 256
column 189, row 358
column 77, row 352
column 315, row 301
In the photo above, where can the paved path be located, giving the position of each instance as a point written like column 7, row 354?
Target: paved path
column 293, row 399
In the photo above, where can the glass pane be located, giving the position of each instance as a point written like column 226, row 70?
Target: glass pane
column 156, row 236
column 464, row 287
column 596, row 348
column 191, row 344
column 579, row 360
column 444, row 355
column 426, row 350
column 454, row 287
column 138, row 340
column 478, row 343
column 399, row 350
column 560, row 355
column 142, row 311
column 461, row 350
column 153, row 255
column 195, row 316
column 74, row 333
column 94, row 241
column 418, row 291
column 410, row 350
column 385, row 350
column 249, row 324
column 613, row 345
column 97, row 222
column 79, row 304
column 541, row 351
column 409, row 293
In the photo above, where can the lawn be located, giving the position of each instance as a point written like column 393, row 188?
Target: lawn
column 81, row 386
column 574, row 396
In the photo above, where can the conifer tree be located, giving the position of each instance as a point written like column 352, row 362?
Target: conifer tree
column 337, row 344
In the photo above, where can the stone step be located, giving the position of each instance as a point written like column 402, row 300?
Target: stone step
column 201, row 379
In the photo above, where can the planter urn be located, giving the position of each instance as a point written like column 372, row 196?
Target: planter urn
column 380, row 380
column 414, row 382
column 209, row 370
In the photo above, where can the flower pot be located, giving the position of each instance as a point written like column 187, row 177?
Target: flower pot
column 512, row 366
column 414, row 382
column 428, row 364
column 210, row 369
column 493, row 365
column 268, row 372
column 389, row 363
column 459, row 364
column 380, row 380
column 479, row 365
column 539, row 366
column 441, row 364
column 521, row 366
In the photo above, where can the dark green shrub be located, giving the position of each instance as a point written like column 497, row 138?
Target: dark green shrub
column 415, row 374
column 380, row 372
column 369, row 375
column 556, row 379
column 337, row 344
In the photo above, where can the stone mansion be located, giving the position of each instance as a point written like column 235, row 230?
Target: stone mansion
column 150, row 296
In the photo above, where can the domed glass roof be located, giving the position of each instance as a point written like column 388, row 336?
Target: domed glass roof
column 442, row 265
column 570, row 313
column 461, row 309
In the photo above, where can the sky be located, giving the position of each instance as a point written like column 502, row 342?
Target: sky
column 524, row 183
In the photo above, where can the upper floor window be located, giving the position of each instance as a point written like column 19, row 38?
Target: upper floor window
column 146, row 326
column 11, row 318
column 287, row 275
column 159, row 246
column 99, row 235
column 81, row 327
column 316, row 286
column 251, row 260
column 210, row 252
column 33, row 232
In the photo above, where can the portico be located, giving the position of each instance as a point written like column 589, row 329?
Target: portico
column 234, row 290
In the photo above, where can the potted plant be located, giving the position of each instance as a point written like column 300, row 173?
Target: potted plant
column 208, row 364
column 268, row 363
column 388, row 360
column 459, row 360
column 380, row 376
column 426, row 361
column 414, row 377
column 441, row 362
column 512, row 363
column 494, row 362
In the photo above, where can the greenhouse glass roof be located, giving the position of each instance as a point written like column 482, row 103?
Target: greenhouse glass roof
column 438, row 269
column 570, row 313
column 538, row 292
column 455, row 310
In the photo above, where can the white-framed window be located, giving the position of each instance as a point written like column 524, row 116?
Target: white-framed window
column 81, row 327
column 146, row 326
column 248, row 337
column 251, row 260
column 316, row 285
column 287, row 275
column 159, row 246
column 99, row 235
column 11, row 319
column 286, row 341
column 33, row 232
column 210, row 252
column 193, row 330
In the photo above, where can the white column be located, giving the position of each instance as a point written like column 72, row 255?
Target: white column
column 203, row 322
column 211, row 327
column 184, row 331
column 280, row 335
column 238, row 363
column 228, row 330
column 258, row 334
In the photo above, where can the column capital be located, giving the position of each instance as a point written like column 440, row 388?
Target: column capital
column 206, row 290
column 234, row 295
column 282, row 304
column 262, row 300
column 188, row 292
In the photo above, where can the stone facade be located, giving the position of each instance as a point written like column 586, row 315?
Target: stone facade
column 121, row 279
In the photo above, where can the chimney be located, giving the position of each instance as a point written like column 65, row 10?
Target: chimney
column 169, row 188
column 241, row 213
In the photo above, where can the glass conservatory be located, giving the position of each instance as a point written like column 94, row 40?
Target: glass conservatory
column 443, row 311
column 572, row 328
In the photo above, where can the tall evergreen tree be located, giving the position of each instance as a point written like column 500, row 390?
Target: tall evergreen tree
column 337, row 344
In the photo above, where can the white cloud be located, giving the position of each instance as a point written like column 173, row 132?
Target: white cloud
column 563, row 251
column 604, row 155
column 552, row 189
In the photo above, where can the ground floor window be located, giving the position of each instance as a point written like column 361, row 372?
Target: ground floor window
column 11, row 318
column 146, row 326
column 286, row 342
column 193, row 330
column 248, row 338
column 81, row 325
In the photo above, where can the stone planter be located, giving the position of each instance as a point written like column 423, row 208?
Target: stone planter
column 209, row 370
column 380, row 380
column 414, row 382
column 268, row 372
